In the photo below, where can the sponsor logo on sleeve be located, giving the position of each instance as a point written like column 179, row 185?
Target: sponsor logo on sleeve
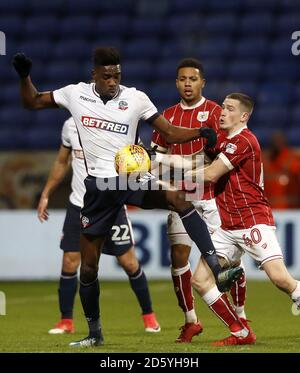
column 105, row 125
column 78, row 154
column 230, row 148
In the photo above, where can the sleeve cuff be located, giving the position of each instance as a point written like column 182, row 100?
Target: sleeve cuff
column 226, row 161
column 159, row 148
column 152, row 118
column 66, row 146
column 53, row 100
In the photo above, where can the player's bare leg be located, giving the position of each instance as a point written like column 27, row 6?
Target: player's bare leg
column 90, row 247
column 181, row 277
column 279, row 275
column 67, row 292
column 204, row 283
column 139, row 285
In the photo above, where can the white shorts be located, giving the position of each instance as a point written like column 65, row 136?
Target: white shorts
column 208, row 211
column 260, row 242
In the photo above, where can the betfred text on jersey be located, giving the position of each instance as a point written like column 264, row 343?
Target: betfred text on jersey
column 105, row 125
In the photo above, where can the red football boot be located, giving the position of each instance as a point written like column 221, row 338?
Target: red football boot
column 62, row 327
column 188, row 331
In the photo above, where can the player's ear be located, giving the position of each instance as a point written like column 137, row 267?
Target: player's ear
column 203, row 83
column 245, row 117
column 177, row 83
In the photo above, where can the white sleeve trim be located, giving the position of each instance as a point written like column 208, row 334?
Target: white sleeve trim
column 225, row 160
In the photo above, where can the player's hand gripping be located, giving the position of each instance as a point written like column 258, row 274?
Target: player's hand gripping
column 43, row 214
column 210, row 135
column 22, row 64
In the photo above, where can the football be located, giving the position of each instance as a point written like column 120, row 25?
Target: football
column 132, row 158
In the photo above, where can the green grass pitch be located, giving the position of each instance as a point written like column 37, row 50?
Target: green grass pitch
column 32, row 309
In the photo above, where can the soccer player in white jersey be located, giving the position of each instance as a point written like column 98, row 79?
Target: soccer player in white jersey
column 106, row 115
column 247, row 224
column 193, row 110
column 119, row 243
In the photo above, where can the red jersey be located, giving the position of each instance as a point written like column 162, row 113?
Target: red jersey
column 205, row 113
column 239, row 194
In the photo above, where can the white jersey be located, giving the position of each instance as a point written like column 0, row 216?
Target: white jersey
column 70, row 139
column 104, row 128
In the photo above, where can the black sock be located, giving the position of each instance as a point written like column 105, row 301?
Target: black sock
column 66, row 294
column 138, row 282
column 197, row 230
column 89, row 295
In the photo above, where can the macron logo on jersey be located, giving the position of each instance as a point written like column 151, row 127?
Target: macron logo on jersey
column 105, row 125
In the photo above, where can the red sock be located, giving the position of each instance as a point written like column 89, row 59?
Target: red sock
column 223, row 309
column 238, row 292
column 183, row 290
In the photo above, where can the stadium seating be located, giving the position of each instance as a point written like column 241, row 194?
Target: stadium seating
column 251, row 47
column 241, row 69
column 41, row 27
column 245, row 45
column 216, row 24
column 256, row 23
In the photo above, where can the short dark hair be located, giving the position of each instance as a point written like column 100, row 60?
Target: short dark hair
column 245, row 100
column 105, row 56
column 191, row 62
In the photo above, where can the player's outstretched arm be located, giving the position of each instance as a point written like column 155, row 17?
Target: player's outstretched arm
column 31, row 98
column 210, row 173
column 178, row 135
column 58, row 171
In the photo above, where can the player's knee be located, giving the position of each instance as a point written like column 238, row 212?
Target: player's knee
column 88, row 273
column 131, row 267
column 71, row 262
column 180, row 255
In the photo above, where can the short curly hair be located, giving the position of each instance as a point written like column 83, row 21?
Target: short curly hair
column 105, row 56
column 191, row 62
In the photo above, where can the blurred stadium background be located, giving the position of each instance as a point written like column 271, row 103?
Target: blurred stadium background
column 245, row 45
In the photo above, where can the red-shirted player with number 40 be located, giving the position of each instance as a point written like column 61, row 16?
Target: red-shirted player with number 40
column 192, row 111
column 247, row 223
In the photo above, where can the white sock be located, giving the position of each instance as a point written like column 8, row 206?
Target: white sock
column 190, row 316
column 241, row 333
column 180, row 271
column 296, row 293
column 240, row 311
column 211, row 296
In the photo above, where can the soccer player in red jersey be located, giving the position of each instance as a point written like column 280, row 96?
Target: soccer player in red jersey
column 247, row 223
column 193, row 111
